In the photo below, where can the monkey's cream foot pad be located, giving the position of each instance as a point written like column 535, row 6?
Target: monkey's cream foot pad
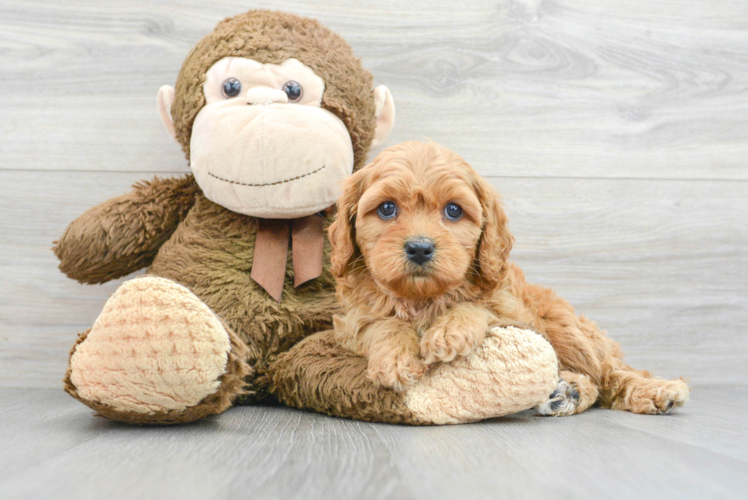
column 155, row 351
column 513, row 370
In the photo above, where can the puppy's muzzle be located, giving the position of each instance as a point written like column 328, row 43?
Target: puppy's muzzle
column 419, row 250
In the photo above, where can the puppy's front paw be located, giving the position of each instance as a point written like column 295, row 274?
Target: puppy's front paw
column 396, row 370
column 449, row 340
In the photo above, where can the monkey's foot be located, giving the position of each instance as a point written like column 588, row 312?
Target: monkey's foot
column 157, row 354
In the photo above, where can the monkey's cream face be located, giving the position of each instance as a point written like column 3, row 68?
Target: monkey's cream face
column 263, row 146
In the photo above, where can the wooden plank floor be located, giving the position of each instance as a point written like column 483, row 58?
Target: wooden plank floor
column 53, row 447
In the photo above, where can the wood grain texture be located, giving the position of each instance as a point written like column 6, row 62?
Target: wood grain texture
column 617, row 132
column 556, row 87
column 54, row 448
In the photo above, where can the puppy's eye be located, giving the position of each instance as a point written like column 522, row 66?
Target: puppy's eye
column 231, row 87
column 453, row 211
column 293, row 90
column 387, row 210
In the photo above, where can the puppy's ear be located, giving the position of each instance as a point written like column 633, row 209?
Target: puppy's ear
column 496, row 241
column 342, row 232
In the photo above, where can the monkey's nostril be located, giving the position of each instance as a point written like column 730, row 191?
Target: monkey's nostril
column 419, row 250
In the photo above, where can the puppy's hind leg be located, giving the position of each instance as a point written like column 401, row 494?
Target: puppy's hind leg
column 574, row 394
column 637, row 391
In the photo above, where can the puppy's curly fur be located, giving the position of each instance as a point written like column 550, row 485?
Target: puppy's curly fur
column 405, row 315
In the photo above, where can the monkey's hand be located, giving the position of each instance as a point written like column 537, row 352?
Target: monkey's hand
column 124, row 233
column 456, row 333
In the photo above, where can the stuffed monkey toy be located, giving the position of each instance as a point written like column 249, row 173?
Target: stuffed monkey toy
column 272, row 111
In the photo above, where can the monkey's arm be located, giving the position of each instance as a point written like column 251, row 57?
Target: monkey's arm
column 124, row 233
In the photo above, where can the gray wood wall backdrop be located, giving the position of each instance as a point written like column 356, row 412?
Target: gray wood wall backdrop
column 617, row 132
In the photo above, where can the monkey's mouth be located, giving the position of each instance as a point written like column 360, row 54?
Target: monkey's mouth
column 284, row 181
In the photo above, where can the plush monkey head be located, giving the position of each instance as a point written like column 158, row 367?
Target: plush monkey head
column 273, row 111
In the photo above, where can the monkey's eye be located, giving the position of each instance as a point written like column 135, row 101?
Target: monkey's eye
column 453, row 211
column 387, row 210
column 293, row 90
column 231, row 88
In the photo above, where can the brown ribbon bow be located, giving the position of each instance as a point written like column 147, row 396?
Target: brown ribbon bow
column 307, row 242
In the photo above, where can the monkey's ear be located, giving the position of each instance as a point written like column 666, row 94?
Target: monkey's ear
column 165, row 100
column 385, row 115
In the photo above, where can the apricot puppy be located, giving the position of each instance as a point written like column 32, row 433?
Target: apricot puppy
column 418, row 241
column 420, row 252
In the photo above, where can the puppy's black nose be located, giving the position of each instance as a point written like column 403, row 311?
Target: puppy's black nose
column 419, row 250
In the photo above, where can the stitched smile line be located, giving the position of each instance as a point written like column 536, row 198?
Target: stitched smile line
column 267, row 183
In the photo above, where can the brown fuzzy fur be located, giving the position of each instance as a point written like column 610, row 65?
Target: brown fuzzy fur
column 404, row 317
column 124, row 234
column 320, row 375
column 170, row 225
column 211, row 254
